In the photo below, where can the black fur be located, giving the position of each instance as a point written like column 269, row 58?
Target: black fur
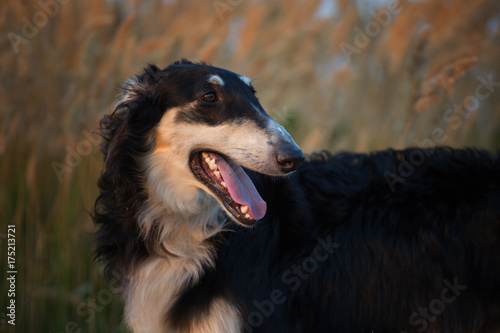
column 350, row 242
column 394, row 253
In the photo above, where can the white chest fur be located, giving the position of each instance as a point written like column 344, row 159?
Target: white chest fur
column 153, row 290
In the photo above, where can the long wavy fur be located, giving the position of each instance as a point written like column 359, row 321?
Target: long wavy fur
column 125, row 139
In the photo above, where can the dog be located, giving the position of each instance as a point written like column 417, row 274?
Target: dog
column 215, row 220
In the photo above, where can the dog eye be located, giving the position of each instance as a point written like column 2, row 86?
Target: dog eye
column 209, row 97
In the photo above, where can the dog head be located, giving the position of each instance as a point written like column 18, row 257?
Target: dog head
column 207, row 125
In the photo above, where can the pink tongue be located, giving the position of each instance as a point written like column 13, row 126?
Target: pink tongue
column 241, row 188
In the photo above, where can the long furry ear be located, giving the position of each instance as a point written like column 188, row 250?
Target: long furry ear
column 135, row 115
column 126, row 138
column 143, row 85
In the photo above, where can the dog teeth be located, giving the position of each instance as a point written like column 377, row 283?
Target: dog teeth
column 223, row 184
column 247, row 216
column 244, row 209
column 212, row 165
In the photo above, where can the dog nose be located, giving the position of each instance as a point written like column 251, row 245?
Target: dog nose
column 289, row 158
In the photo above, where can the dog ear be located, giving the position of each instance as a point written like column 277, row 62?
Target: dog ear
column 183, row 61
column 152, row 73
column 143, row 85
column 135, row 114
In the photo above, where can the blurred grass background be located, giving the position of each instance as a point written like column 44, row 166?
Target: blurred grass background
column 61, row 75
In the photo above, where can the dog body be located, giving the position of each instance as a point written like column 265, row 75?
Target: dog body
column 213, row 226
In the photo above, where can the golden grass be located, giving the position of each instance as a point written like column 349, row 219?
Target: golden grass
column 54, row 91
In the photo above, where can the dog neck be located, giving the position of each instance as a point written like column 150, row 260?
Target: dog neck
column 181, row 253
column 179, row 233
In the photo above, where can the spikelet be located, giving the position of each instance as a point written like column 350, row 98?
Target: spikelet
column 443, row 82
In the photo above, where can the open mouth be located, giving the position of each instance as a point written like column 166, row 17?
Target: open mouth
column 228, row 181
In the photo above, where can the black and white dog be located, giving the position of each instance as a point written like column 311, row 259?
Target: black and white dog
column 207, row 234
